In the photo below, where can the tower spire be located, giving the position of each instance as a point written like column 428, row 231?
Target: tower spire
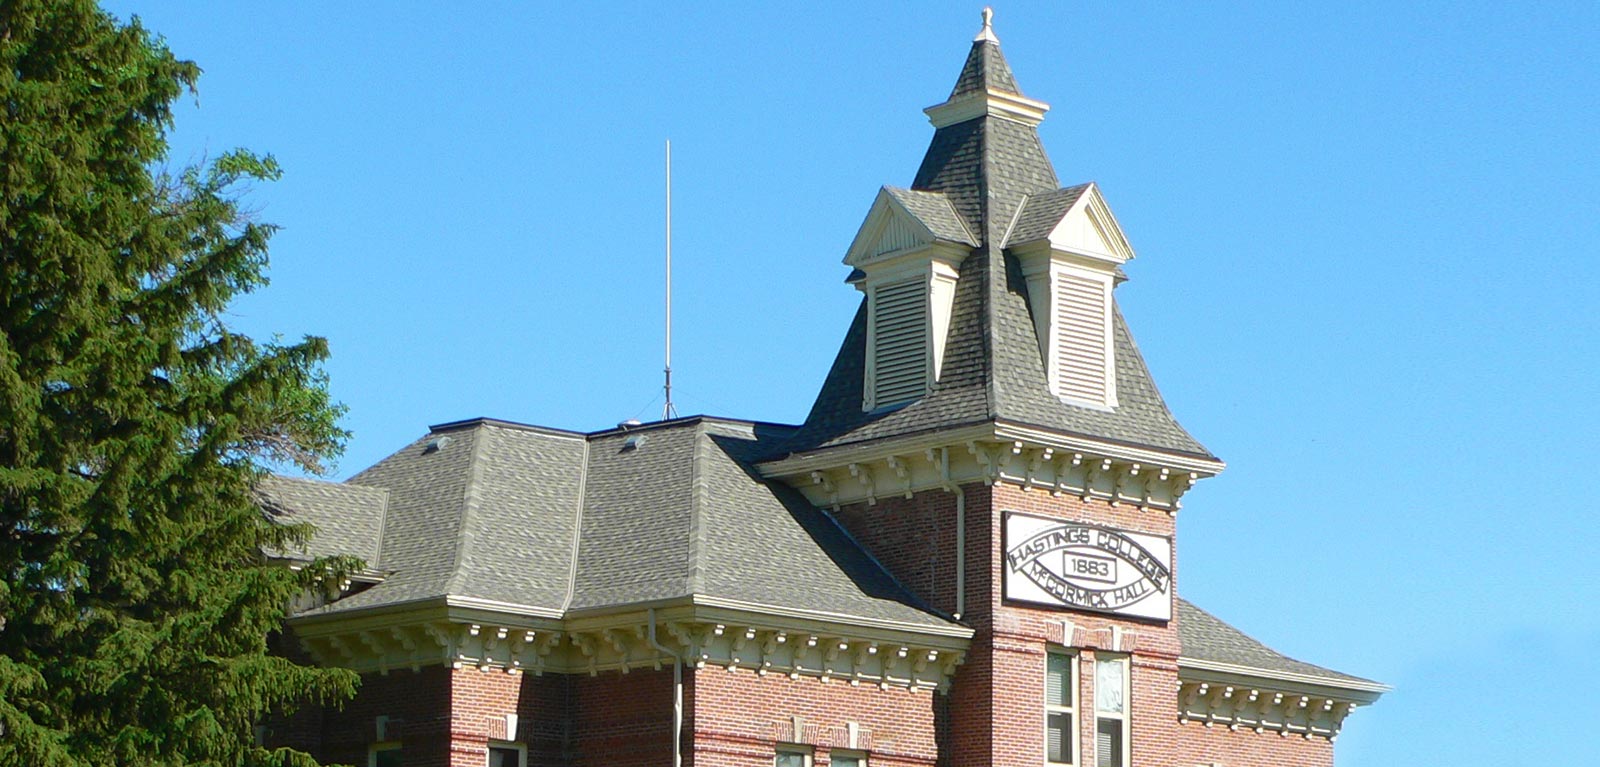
column 986, row 35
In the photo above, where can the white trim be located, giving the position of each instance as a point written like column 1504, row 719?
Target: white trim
column 1317, row 684
column 385, row 745
column 849, row 753
column 521, row 749
column 806, row 752
column 1123, row 662
column 835, row 620
column 987, row 103
column 1071, row 709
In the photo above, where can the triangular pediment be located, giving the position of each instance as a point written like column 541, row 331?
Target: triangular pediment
column 1073, row 220
column 906, row 220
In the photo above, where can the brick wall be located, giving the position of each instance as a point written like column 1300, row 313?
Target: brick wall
column 1203, row 746
column 739, row 716
column 993, row 715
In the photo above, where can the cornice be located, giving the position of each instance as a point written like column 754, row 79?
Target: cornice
column 1288, row 703
column 987, row 103
column 706, row 632
column 992, row 453
column 1362, row 691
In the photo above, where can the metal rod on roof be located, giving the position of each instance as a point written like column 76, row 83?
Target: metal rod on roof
column 667, row 410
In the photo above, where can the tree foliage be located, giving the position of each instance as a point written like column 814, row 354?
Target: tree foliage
column 134, row 425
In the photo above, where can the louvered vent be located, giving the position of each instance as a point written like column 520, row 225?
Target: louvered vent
column 900, row 349
column 1082, row 339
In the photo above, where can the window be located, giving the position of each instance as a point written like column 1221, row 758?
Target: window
column 384, row 755
column 1060, row 693
column 842, row 758
column 507, row 754
column 792, row 756
column 1111, row 712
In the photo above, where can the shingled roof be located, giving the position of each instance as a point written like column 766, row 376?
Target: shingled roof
column 1205, row 637
column 994, row 172
column 549, row 523
column 345, row 519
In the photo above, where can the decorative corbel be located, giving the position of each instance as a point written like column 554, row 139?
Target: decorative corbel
column 616, row 638
column 1041, row 459
column 902, row 471
column 987, row 459
column 822, row 478
column 864, row 651
column 864, row 475
column 769, row 648
column 1092, row 476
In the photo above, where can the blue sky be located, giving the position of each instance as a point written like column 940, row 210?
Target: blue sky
column 1367, row 234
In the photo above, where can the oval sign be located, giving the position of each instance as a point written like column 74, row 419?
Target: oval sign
column 1087, row 567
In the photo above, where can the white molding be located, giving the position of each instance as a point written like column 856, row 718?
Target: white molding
column 709, row 631
column 987, row 103
column 1358, row 690
column 1262, row 709
column 992, row 453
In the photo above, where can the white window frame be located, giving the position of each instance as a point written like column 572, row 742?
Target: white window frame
column 384, row 745
column 1070, row 709
column 848, row 753
column 520, row 748
column 1126, row 717
column 806, row 753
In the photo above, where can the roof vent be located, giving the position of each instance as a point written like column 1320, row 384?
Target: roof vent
column 628, row 424
column 633, row 443
column 435, row 445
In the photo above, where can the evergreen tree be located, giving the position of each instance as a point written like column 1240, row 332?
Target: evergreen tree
column 137, row 602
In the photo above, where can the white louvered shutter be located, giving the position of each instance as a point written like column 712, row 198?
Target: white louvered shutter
column 900, row 353
column 1082, row 336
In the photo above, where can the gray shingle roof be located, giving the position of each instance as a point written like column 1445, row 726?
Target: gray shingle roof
column 466, row 516
column 1041, row 212
column 934, row 210
column 989, row 168
column 563, row 522
column 985, row 68
column 1206, row 637
column 347, row 519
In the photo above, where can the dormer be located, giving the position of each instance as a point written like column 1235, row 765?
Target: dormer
column 907, row 257
column 1070, row 247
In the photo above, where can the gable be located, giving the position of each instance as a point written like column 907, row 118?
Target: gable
column 1089, row 229
column 905, row 220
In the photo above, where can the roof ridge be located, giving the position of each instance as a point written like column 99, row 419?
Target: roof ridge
column 697, row 510
column 577, row 528
column 1022, row 205
column 470, row 496
column 383, row 529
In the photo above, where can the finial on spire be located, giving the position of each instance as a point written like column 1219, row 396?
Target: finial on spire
column 986, row 35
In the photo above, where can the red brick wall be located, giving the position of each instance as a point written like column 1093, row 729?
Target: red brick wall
column 1245, row 748
column 914, row 538
column 739, row 716
column 995, row 707
column 622, row 720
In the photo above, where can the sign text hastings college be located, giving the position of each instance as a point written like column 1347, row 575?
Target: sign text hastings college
column 1087, row 567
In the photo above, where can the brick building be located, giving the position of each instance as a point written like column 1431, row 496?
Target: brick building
column 964, row 556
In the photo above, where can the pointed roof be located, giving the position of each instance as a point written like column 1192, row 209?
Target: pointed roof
column 986, row 67
column 986, row 159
